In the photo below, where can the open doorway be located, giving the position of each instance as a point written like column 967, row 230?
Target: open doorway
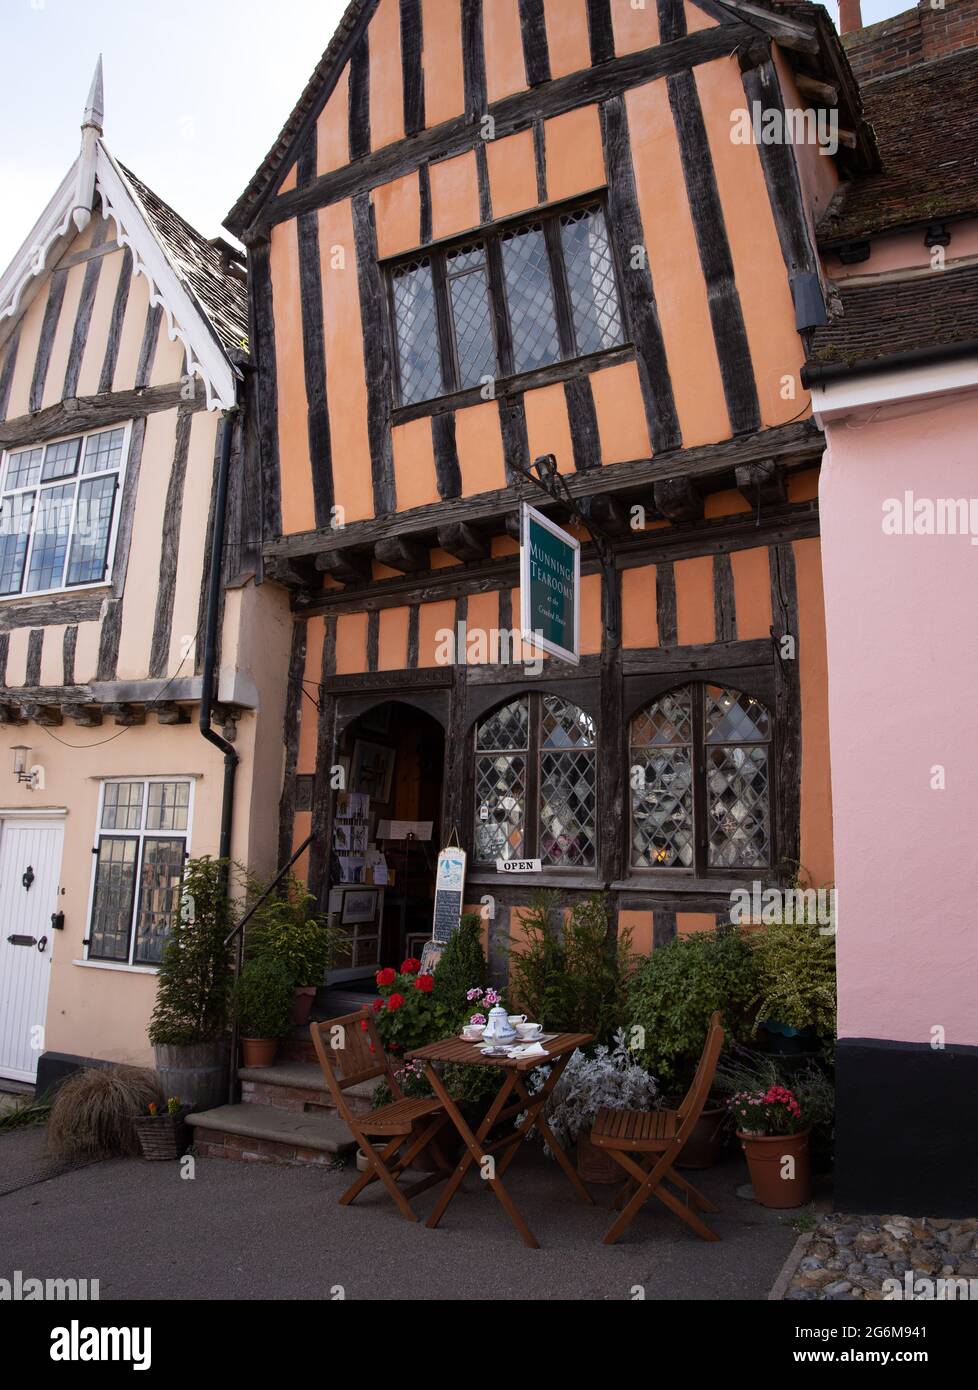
column 386, row 826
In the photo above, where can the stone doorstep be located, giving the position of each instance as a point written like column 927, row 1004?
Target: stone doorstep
column 299, row 1087
column 264, row 1134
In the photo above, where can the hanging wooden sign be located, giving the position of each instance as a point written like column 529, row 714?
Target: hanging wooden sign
column 449, row 889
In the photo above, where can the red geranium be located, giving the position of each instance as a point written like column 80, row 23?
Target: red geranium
column 410, row 966
column 425, row 983
column 387, row 976
column 377, row 1005
column 395, row 1001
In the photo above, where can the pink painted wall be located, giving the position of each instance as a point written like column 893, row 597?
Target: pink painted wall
column 906, row 251
column 903, row 676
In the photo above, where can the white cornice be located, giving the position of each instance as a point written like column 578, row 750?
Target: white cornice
column 856, row 395
column 52, row 232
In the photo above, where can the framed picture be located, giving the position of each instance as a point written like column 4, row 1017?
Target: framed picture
column 359, row 905
column 373, row 769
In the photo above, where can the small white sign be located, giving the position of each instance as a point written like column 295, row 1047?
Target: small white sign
column 518, row 866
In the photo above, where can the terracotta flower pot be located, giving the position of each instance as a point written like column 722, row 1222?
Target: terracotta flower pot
column 766, row 1155
column 258, row 1052
column 302, row 1004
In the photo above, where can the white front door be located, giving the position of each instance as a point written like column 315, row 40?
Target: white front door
column 30, row 873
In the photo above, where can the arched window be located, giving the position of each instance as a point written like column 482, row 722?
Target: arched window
column 700, row 781
column 535, row 780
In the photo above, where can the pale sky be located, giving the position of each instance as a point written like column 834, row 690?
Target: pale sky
column 195, row 93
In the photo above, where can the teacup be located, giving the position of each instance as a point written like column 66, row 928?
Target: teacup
column 472, row 1032
column 517, row 1019
column 529, row 1031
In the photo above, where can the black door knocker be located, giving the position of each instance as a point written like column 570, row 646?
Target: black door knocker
column 27, row 878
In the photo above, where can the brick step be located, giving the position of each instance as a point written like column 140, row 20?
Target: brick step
column 264, row 1134
column 299, row 1087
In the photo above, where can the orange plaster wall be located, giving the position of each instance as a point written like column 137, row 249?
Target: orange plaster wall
column 775, row 346
column 444, row 84
column 640, row 925
column 687, row 922
column 697, row 18
column 567, row 36
column 674, row 263
column 483, row 616
column 98, row 330
column 301, row 828
column 347, row 394
column 512, row 174
column 622, row 427
column 816, row 780
column 591, row 624
column 505, row 72
column 454, row 195
column 432, row 618
column 333, row 128
column 414, row 464
column 351, row 644
column 575, row 160
column 386, row 82
column 479, row 442
column 694, row 601
column 131, row 338
column 548, row 426
column 392, row 644
column 634, row 29
column 730, row 503
column 639, row 625
column 752, row 592
column 290, row 180
column 30, row 334
column 397, row 209
column 298, row 507
column 803, row 487
column 54, row 383
column 313, row 674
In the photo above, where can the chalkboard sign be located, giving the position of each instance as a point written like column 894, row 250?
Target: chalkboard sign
column 449, row 887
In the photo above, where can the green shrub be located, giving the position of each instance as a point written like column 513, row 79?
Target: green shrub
column 462, row 967
column 195, row 975
column 795, row 966
column 286, row 928
column 263, row 999
column 571, row 977
column 675, row 990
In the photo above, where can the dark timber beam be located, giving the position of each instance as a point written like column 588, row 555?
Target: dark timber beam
column 127, row 715
column 47, row 716
column 98, row 412
column 762, row 484
column 463, row 541
column 400, row 553
column 85, row 716
column 348, row 566
column 12, row 714
column 169, row 713
column 610, row 513
column 678, row 499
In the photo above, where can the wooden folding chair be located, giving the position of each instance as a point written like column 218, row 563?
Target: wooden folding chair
column 350, row 1050
column 656, row 1138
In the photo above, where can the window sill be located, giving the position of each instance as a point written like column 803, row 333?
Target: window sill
column 117, row 965
column 48, row 594
column 692, row 887
column 548, row 878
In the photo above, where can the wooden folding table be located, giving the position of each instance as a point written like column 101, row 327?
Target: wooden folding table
column 502, row 1151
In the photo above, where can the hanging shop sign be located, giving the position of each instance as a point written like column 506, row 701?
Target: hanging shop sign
column 449, row 887
column 550, row 586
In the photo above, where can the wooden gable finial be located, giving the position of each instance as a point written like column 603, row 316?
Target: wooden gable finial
column 91, row 131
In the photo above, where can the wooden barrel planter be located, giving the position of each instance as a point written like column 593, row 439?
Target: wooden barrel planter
column 196, row 1074
column 164, row 1136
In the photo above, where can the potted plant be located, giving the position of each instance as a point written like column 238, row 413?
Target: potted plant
column 263, row 997
column 796, row 986
column 671, row 997
column 286, row 928
column 408, row 1012
column 164, row 1135
column 773, row 1131
column 611, row 1077
column 189, row 1025
column 806, row 1077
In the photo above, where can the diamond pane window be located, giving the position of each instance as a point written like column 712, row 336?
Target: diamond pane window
column 138, row 875
column 58, row 512
column 475, row 347
column 417, row 332
column 536, row 783
column 591, row 280
column 530, row 297
column 732, row 730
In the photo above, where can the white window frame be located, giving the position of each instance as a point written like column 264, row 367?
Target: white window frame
column 142, row 834
column 79, row 477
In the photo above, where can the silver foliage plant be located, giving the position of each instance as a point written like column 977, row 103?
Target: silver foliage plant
column 611, row 1077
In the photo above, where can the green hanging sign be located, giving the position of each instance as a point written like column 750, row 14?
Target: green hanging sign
column 550, row 586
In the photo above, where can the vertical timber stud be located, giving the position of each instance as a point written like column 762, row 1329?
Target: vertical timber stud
column 9, row 367
column 663, row 927
column 35, row 646
column 147, row 349
column 665, row 603
column 376, row 356
column 83, row 314
column 583, row 420
column 294, row 711
column 322, row 796
column 625, row 225
column 314, row 363
column 424, row 190
column 159, row 654
column 672, row 20
column 600, row 31
column 612, row 740
column 787, row 698
column 49, row 328
column 456, row 745
column 412, row 43
column 729, row 332
column 473, row 60
column 68, row 648
column 724, row 606
column 114, row 336
column 448, row 473
column 536, row 52
column 359, row 109
column 516, row 443
column 263, row 338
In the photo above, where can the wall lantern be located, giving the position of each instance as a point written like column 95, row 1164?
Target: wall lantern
column 22, row 771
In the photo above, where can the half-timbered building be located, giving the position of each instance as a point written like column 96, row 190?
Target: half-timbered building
column 121, row 334
column 494, row 231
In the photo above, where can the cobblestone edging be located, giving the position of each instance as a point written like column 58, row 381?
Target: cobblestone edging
column 849, row 1257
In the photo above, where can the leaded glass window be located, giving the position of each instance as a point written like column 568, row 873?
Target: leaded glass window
column 516, row 299
column 700, row 781
column 138, row 873
column 58, row 505
column 536, row 783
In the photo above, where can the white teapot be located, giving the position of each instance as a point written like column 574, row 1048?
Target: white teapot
column 499, row 1030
